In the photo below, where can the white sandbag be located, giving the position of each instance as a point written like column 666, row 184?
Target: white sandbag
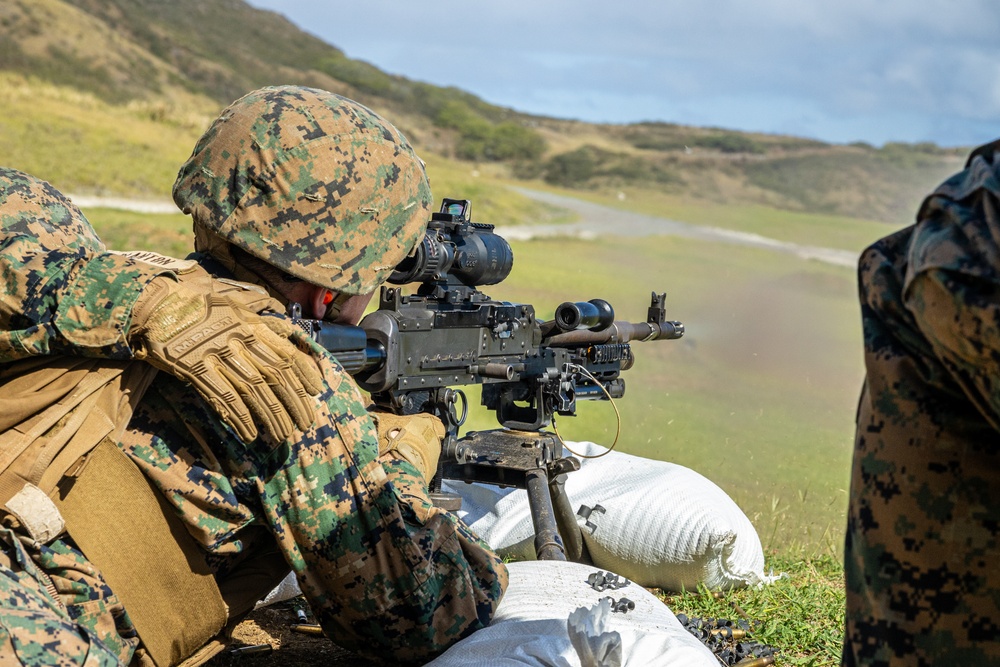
column 532, row 627
column 663, row 525
column 287, row 589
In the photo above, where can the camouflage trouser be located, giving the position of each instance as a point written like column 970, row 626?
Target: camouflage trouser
column 62, row 616
column 922, row 553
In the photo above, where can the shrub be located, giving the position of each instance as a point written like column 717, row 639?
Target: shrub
column 570, row 169
column 511, row 141
column 729, row 143
column 479, row 139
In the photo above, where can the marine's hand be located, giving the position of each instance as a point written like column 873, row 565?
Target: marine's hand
column 242, row 363
column 414, row 438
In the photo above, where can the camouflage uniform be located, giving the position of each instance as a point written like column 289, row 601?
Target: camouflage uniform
column 56, row 609
column 922, row 547
column 385, row 572
column 47, row 244
column 53, row 603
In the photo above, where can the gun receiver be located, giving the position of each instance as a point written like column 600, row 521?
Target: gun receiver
column 413, row 351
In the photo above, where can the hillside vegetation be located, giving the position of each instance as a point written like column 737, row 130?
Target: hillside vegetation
column 173, row 65
column 108, row 97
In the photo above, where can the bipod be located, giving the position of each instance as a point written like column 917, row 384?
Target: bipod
column 534, row 461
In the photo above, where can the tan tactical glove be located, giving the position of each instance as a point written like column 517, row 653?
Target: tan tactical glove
column 414, row 438
column 242, row 363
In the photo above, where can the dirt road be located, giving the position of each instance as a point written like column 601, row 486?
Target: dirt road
column 596, row 220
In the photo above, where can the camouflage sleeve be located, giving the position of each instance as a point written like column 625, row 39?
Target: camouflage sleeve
column 63, row 292
column 921, row 543
column 960, row 318
column 952, row 284
column 36, row 626
column 386, row 573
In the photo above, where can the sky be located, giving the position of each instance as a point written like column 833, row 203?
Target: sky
column 835, row 70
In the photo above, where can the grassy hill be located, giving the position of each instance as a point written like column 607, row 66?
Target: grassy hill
column 164, row 69
column 108, row 97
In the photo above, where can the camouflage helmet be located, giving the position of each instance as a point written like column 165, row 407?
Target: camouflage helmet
column 310, row 182
column 34, row 208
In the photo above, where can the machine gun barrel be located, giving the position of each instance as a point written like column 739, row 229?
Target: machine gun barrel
column 413, row 352
column 619, row 332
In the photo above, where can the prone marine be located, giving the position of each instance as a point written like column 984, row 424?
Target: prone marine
column 174, row 446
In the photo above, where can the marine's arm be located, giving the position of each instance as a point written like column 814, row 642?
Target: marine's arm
column 385, row 572
column 960, row 317
column 952, row 284
column 63, row 292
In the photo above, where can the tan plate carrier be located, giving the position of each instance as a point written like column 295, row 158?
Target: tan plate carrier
column 60, row 426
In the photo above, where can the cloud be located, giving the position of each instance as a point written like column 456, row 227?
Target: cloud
column 924, row 67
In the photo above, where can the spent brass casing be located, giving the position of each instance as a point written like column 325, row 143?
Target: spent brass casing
column 307, row 628
column 756, row 662
column 730, row 633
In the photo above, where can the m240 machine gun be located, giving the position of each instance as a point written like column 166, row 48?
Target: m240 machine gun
column 415, row 352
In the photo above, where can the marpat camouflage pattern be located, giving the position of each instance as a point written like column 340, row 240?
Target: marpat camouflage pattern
column 922, row 548
column 66, row 616
column 385, row 572
column 48, row 247
column 310, row 182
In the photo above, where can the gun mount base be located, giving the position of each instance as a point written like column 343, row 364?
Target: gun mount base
column 531, row 460
column 503, row 456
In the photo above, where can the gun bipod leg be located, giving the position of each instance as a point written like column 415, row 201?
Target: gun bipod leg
column 548, row 543
column 569, row 529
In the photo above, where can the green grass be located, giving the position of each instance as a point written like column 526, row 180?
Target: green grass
column 814, row 229
column 169, row 235
column 82, row 145
column 758, row 396
column 885, row 183
column 800, row 615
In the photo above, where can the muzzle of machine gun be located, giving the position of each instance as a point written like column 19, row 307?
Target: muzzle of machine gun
column 577, row 324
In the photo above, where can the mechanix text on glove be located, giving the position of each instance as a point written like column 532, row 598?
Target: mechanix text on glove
column 251, row 375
